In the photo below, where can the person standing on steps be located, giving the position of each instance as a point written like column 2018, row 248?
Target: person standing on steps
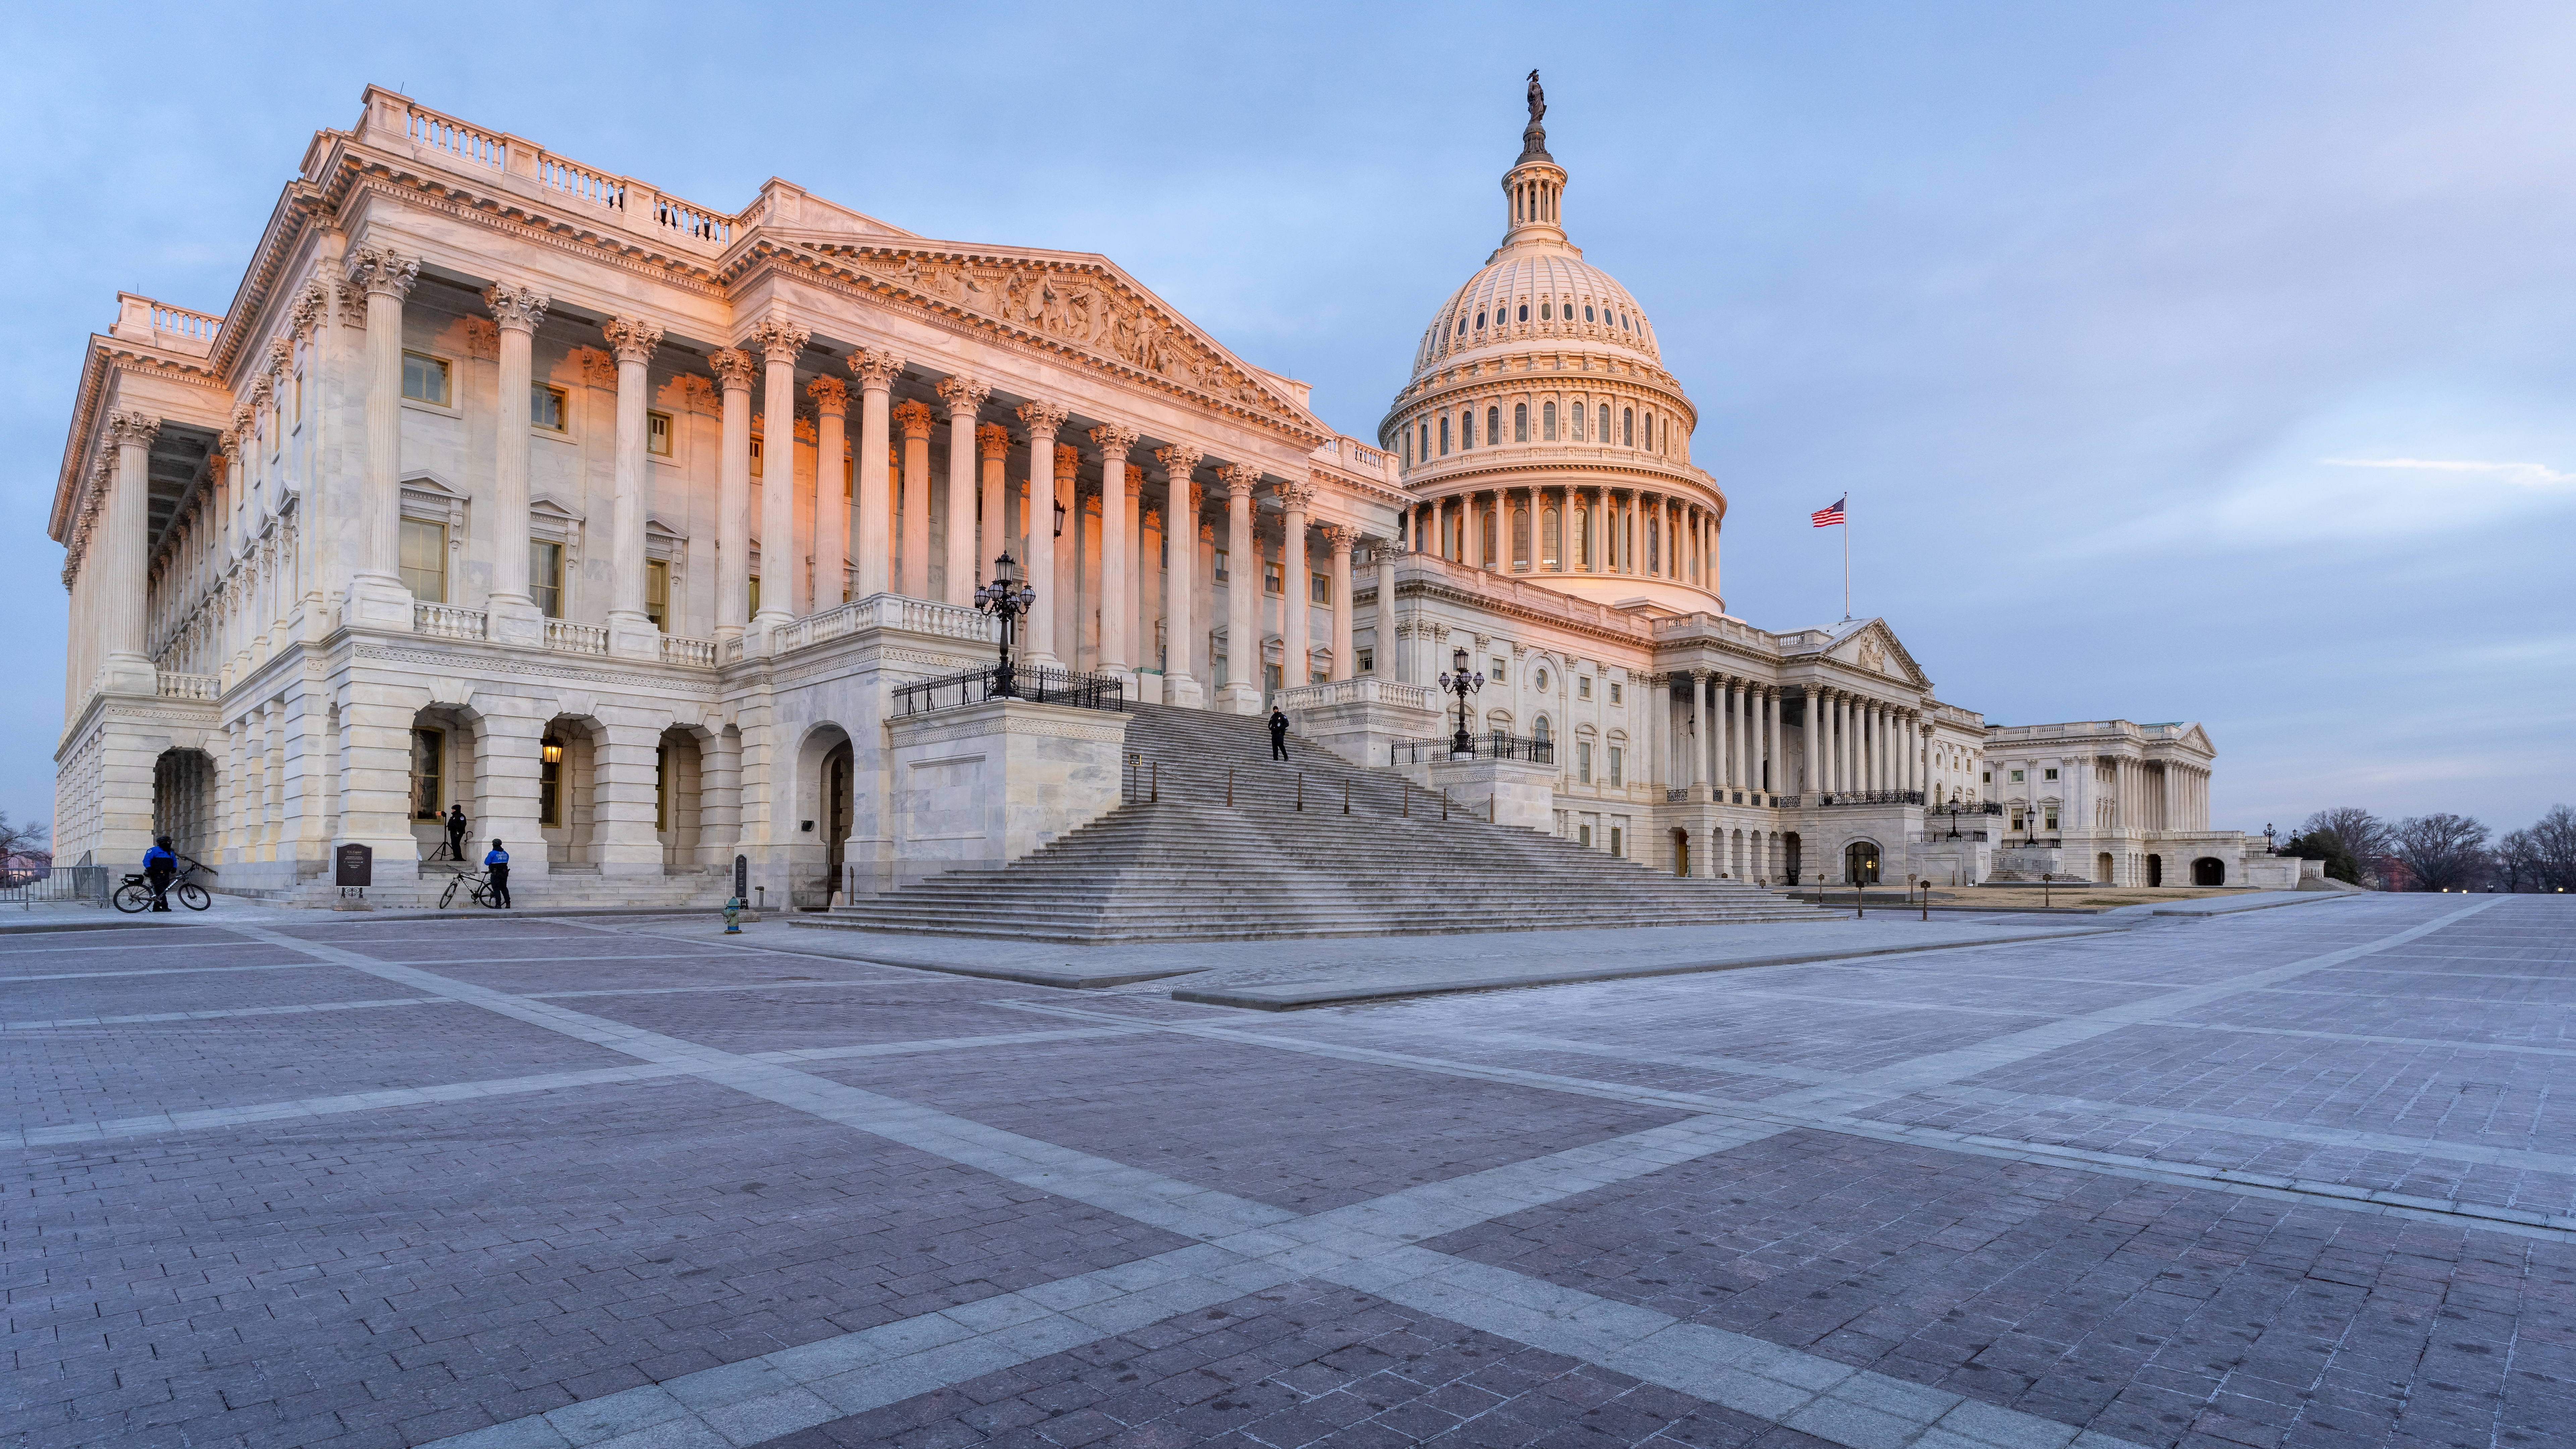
column 498, row 863
column 456, row 833
column 1278, row 733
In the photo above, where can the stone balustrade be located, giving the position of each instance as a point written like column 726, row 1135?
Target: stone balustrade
column 187, row 686
column 1364, row 690
column 573, row 638
column 446, row 621
column 699, row 653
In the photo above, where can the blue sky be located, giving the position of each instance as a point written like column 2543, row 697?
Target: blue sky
column 2185, row 361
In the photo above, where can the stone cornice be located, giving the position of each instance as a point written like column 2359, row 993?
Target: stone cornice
column 108, row 356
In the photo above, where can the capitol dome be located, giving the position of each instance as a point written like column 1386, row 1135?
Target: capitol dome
column 1534, row 290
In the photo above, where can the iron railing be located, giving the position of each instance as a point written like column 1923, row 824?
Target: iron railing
column 1492, row 745
column 82, row 884
column 1034, row 683
column 1870, row 797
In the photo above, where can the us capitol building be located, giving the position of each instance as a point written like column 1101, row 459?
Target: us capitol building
column 648, row 533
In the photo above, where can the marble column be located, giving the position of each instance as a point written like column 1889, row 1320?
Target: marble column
column 1137, row 612
column 1294, row 499
column 1699, row 735
column 1042, row 420
column 118, row 566
column 377, row 595
column 1770, row 767
column 1181, row 546
column 876, row 368
column 1242, row 691
column 964, row 396
column 831, row 496
column 913, row 420
column 993, row 446
column 1117, row 587
column 631, row 634
column 513, row 614
column 732, row 368
column 1077, row 564
column 1339, row 538
column 782, row 554
column 1390, row 660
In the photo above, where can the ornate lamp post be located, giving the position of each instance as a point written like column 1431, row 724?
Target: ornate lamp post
column 1462, row 684
column 1954, row 812
column 1006, row 599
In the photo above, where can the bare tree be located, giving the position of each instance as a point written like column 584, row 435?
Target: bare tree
column 2362, row 835
column 2518, row 856
column 2551, row 844
column 2441, row 851
column 21, row 839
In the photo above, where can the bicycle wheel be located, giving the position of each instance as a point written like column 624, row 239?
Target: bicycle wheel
column 134, row 896
column 447, row 897
column 194, row 897
column 485, row 895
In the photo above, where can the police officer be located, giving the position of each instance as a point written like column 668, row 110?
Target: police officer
column 455, row 832
column 498, row 863
column 1278, row 734
column 159, row 864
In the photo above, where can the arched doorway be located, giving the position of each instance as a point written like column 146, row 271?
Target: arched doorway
column 1860, row 863
column 1681, row 852
column 836, row 810
column 2209, row 870
column 1791, row 863
column 183, row 794
column 2102, row 867
column 2155, row 870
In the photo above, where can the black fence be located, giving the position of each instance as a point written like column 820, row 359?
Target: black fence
column 1492, row 745
column 1870, row 797
column 28, row 886
column 1037, row 684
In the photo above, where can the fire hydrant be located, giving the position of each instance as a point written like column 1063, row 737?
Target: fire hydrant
column 733, row 915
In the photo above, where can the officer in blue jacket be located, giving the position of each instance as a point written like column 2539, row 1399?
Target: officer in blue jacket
column 498, row 864
column 159, row 864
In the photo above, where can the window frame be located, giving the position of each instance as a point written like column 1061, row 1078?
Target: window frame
column 561, row 427
column 446, row 373
column 1274, row 578
column 553, row 582
column 402, row 552
column 669, row 434
column 430, row 745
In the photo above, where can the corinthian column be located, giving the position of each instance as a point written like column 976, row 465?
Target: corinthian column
column 1242, row 691
column 964, row 395
column 630, row 632
column 1390, row 660
column 993, row 446
column 782, row 556
column 732, row 368
column 876, row 369
column 1340, row 537
column 376, row 592
column 914, row 420
column 1181, row 548
column 831, row 502
column 1294, row 498
column 1042, row 420
column 118, row 565
column 1117, row 589
column 514, row 614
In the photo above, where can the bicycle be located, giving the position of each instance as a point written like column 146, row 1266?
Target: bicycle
column 480, row 887
column 134, row 893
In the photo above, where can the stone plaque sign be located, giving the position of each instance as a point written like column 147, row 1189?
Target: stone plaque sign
column 356, row 865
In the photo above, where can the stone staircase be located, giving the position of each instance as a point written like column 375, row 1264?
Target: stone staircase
column 1179, row 863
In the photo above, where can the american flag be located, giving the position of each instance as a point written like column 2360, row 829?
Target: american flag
column 1831, row 514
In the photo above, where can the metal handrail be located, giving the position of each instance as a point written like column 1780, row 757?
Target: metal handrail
column 1492, row 745
column 1035, row 683
column 1871, row 797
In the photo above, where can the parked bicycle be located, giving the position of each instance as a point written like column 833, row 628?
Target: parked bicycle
column 479, row 886
column 134, row 893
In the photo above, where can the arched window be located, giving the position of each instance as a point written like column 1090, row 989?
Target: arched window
column 1426, row 441
column 1544, row 311
column 1520, row 422
column 1550, row 539
column 1520, row 538
column 1462, row 324
column 1605, row 422
column 1650, row 432
column 1628, row 427
column 1538, row 727
column 1493, row 425
column 1408, row 447
column 1623, row 323
column 1547, row 422
column 1578, row 422
column 1587, row 312
column 1524, row 311
column 1444, row 434
column 1480, row 321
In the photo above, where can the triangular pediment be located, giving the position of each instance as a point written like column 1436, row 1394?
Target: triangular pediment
column 1871, row 647
column 1075, row 301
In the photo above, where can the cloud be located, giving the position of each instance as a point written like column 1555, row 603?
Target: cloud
column 2523, row 475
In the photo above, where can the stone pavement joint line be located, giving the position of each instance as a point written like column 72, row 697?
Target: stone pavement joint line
column 1366, row 1246
column 148, row 1017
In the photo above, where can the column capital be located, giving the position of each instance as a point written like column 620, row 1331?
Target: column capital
column 733, row 368
column 516, row 308
column 1178, row 460
column 1240, row 478
column 1113, row 440
column 1340, row 536
column 375, row 270
column 963, row 394
column 1135, row 480
column 876, row 368
column 914, row 418
column 1296, row 497
column 779, row 340
column 632, row 339
column 1041, row 418
column 831, row 396
column 1068, row 461
column 138, row 429
column 992, row 440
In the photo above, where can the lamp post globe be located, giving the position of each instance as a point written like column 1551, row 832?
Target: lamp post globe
column 1462, row 684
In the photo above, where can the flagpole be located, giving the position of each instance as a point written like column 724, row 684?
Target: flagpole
column 1846, row 563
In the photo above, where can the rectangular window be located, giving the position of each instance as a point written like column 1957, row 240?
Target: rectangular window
column 424, row 560
column 661, row 787
column 1368, row 661
column 428, row 788
column 1274, row 579
column 1583, row 774
column 1616, row 842
column 1319, row 588
column 754, row 606
column 755, row 455
column 2048, row 817
column 425, row 378
column 1221, row 574
column 657, row 593
column 1583, row 836
column 1495, row 674
column 1583, row 686
column 2016, row 777
column 1614, row 694
column 545, row 577
column 1217, row 671
column 546, row 407
column 657, row 434
column 1987, row 778
column 1618, row 768
column 2049, row 774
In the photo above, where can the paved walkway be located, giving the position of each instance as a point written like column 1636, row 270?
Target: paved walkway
column 2297, row 1177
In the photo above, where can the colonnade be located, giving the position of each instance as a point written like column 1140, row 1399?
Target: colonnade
column 1856, row 743
column 1599, row 529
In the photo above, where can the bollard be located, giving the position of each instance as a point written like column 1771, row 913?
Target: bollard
column 1346, row 797
column 1229, row 787
column 1408, row 799
column 1157, row 783
column 1301, row 789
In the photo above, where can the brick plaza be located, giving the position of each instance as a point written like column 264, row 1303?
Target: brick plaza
column 2299, row 1177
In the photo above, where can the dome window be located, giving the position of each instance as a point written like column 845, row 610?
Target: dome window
column 1543, row 311
column 1462, row 324
column 1587, row 314
column 1547, row 422
column 1480, row 321
column 1520, row 422
column 1525, row 311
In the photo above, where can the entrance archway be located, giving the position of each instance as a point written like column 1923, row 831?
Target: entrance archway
column 183, row 794
column 2102, row 867
column 1681, row 852
column 1860, row 863
column 2155, row 870
column 1791, row 863
column 836, row 809
column 2209, row 870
